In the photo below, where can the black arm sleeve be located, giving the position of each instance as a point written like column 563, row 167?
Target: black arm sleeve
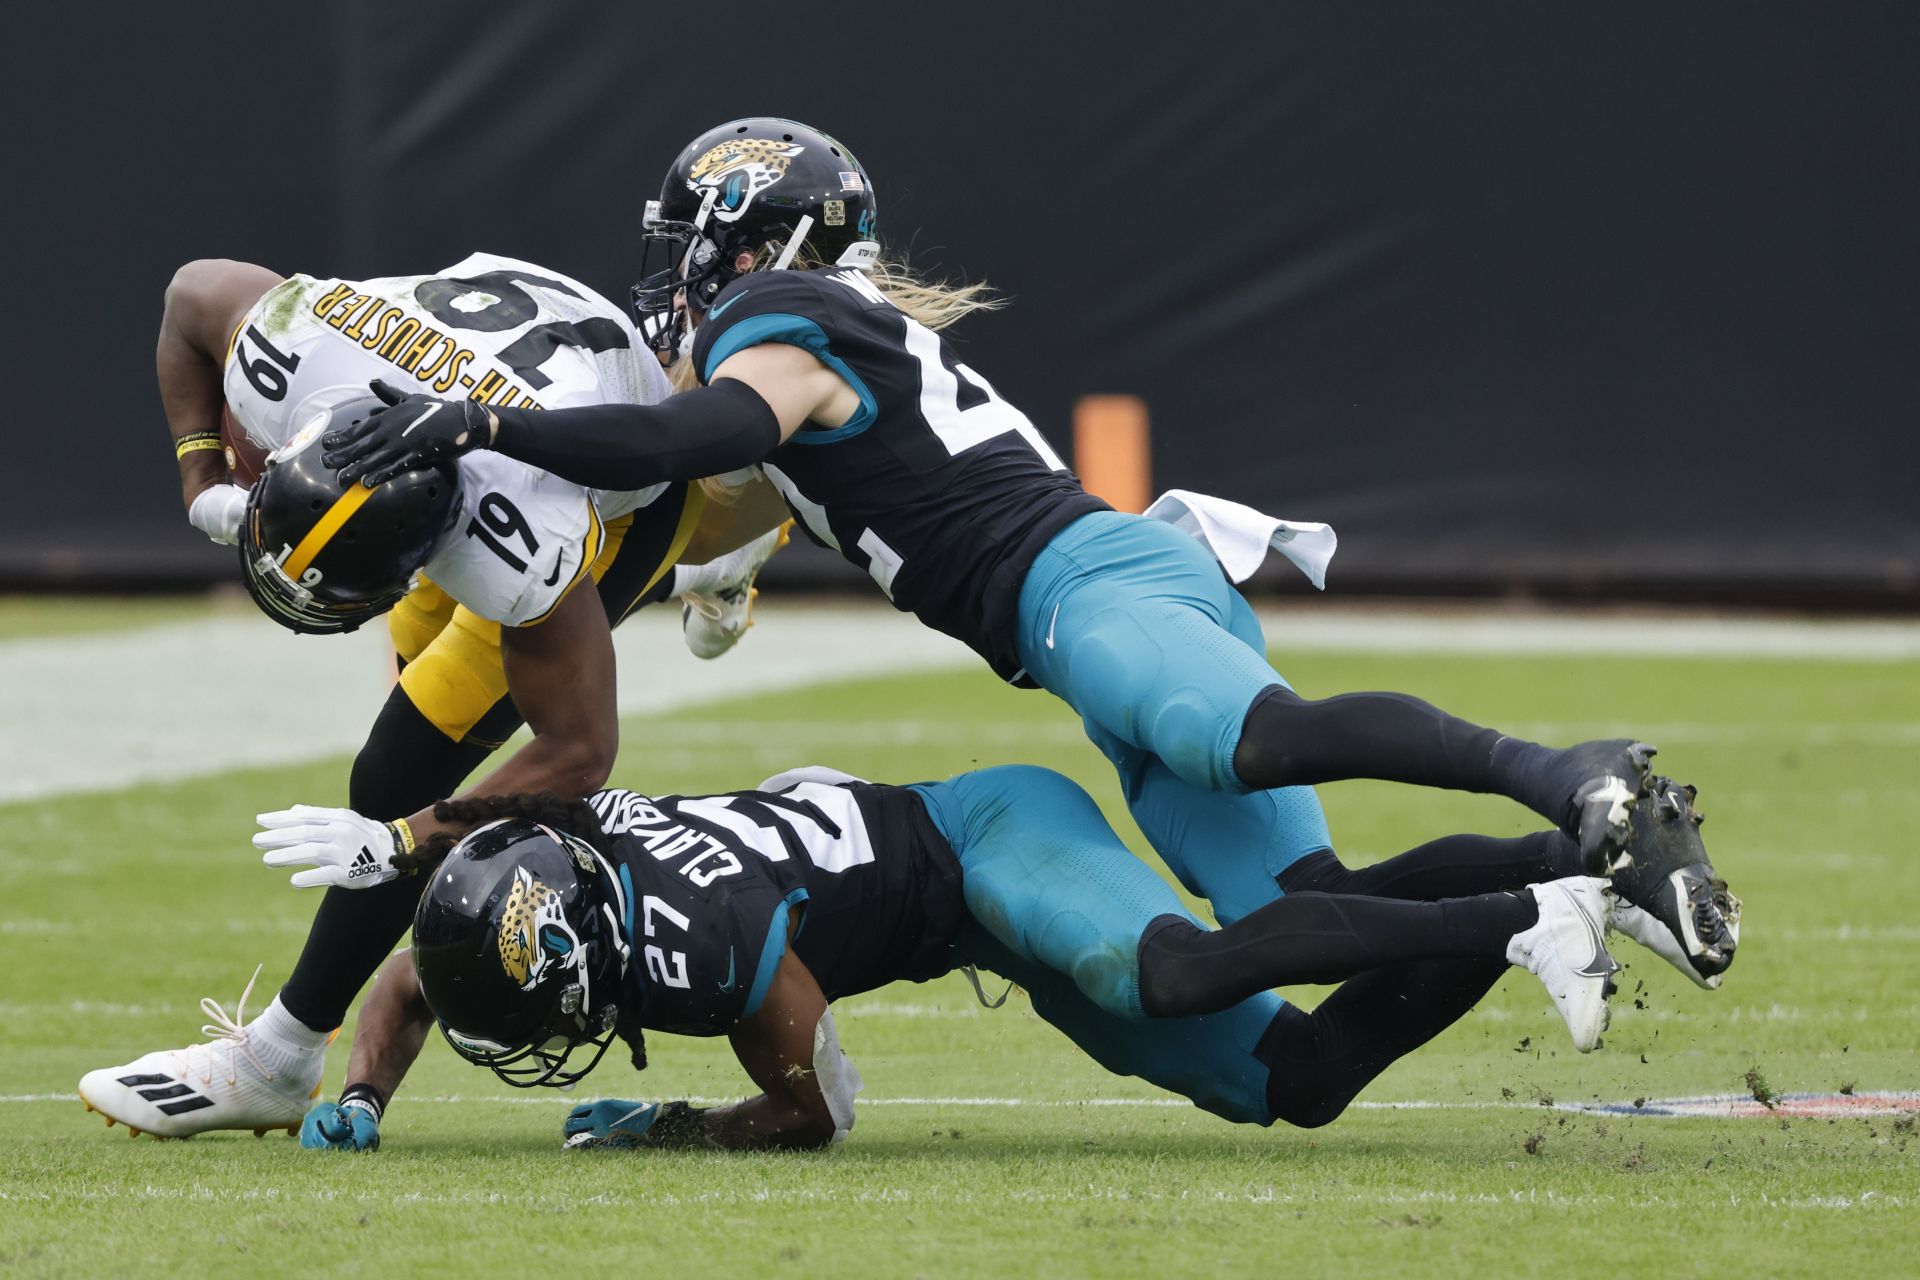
column 703, row 432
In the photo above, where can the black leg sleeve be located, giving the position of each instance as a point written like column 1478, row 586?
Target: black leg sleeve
column 1288, row 740
column 406, row 765
column 1316, row 938
column 1450, row 867
column 1319, row 1062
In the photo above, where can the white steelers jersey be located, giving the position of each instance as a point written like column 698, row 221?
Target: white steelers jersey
column 492, row 329
column 518, row 542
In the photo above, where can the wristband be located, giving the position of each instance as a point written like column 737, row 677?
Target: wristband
column 366, row 1097
column 196, row 441
column 402, row 836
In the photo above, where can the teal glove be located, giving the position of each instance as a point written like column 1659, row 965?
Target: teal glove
column 611, row 1122
column 333, row 1127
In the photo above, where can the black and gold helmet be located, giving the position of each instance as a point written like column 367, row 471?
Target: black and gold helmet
column 738, row 188
column 520, row 949
column 319, row 557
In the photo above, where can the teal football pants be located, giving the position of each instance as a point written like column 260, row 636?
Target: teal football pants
column 1135, row 626
column 1058, row 905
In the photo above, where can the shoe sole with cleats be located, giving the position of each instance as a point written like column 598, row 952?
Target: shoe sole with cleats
column 1664, row 870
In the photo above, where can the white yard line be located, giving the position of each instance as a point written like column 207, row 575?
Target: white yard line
column 1409, row 1104
column 188, row 699
column 948, row 1195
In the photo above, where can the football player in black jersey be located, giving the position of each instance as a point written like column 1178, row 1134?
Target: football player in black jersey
column 820, row 363
column 555, row 925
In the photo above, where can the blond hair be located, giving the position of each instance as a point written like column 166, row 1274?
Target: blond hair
column 933, row 303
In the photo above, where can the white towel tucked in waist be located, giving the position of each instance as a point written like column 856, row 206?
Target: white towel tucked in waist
column 1240, row 537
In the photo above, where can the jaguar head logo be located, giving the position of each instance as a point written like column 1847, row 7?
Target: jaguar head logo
column 740, row 170
column 534, row 933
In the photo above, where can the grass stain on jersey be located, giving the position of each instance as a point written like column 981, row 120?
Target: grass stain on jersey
column 279, row 305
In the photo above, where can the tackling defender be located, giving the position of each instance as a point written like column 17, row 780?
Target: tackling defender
column 554, row 926
column 492, row 632
column 820, row 362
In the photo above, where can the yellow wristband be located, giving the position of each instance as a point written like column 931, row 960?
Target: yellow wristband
column 196, row 442
column 404, row 833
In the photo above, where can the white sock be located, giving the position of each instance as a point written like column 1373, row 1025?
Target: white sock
column 284, row 1042
column 686, row 577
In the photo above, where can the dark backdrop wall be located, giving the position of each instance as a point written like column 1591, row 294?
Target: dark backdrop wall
column 1516, row 293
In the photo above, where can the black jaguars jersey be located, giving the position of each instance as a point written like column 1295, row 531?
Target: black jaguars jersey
column 711, row 882
column 937, row 487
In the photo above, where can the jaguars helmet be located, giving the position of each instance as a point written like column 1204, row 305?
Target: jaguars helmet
column 320, row 557
column 519, row 948
column 735, row 189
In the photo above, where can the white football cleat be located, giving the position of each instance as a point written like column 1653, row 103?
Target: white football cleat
column 714, row 616
column 1566, row 949
column 221, row 1084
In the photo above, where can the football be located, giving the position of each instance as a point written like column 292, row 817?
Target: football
column 245, row 459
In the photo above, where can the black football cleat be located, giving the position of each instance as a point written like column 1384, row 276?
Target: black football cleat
column 1609, row 779
column 1667, row 896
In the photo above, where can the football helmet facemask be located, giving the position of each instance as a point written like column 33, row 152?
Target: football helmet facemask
column 520, row 950
column 320, row 557
column 735, row 189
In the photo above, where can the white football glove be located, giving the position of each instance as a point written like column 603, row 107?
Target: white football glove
column 217, row 512
column 341, row 847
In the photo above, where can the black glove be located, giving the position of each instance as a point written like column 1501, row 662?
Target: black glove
column 410, row 434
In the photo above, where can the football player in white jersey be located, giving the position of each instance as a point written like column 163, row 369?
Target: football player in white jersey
column 494, row 607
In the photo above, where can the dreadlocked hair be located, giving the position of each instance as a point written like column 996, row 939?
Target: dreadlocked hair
column 568, row 815
column 934, row 303
column 571, row 816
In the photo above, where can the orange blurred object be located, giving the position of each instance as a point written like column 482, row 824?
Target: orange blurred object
column 1110, row 444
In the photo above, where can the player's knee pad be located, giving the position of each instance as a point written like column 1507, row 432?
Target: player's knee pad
column 1104, row 967
column 458, row 678
column 1094, row 944
column 1111, row 659
column 1189, row 731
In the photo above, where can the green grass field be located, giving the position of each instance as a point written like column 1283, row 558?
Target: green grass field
column 986, row 1145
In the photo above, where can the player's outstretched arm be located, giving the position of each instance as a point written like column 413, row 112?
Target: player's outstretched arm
column 393, row 1025
column 205, row 302
column 757, row 398
column 777, row 1046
